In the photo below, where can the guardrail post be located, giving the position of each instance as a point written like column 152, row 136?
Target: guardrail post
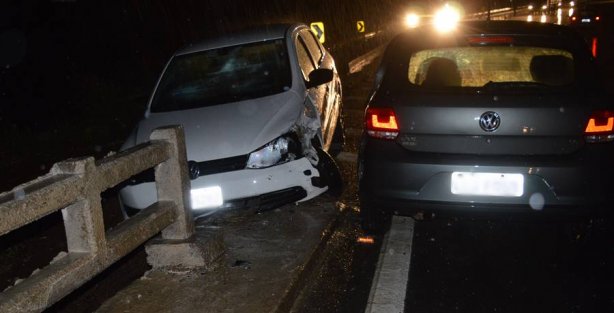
column 178, row 246
column 173, row 183
column 83, row 219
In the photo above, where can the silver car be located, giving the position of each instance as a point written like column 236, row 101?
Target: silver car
column 261, row 111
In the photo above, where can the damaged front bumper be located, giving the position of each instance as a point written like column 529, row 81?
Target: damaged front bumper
column 289, row 182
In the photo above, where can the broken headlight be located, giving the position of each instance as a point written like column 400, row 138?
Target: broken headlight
column 280, row 150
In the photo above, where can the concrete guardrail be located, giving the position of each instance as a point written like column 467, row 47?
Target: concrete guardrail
column 74, row 186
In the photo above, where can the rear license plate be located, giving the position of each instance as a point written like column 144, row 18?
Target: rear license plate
column 487, row 184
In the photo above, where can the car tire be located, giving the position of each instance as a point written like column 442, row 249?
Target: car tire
column 338, row 140
column 330, row 173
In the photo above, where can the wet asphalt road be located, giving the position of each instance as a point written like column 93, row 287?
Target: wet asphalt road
column 503, row 265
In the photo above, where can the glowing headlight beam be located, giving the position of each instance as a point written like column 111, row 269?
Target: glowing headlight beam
column 412, row 20
column 446, row 18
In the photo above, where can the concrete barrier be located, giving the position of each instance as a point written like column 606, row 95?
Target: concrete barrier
column 74, row 186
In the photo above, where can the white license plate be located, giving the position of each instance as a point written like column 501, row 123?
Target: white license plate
column 487, row 184
column 208, row 197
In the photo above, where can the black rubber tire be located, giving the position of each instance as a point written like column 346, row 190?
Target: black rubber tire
column 330, row 173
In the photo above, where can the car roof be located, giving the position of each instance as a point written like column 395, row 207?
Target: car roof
column 508, row 27
column 542, row 34
column 253, row 34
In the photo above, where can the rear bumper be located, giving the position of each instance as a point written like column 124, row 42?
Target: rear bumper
column 392, row 178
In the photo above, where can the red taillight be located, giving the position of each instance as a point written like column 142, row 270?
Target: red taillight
column 594, row 47
column 600, row 126
column 381, row 123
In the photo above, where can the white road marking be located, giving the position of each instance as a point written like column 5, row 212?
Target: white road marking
column 389, row 284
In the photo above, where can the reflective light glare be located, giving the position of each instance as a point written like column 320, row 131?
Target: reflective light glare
column 412, row 20
column 537, row 201
column 530, row 7
column 207, row 197
column 543, row 19
column 559, row 16
column 446, row 19
column 529, row 18
column 366, row 240
column 544, row 7
column 571, row 3
column 571, row 13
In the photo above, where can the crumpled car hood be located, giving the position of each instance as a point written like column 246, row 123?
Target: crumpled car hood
column 231, row 129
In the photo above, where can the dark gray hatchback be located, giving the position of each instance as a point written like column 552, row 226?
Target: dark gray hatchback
column 494, row 116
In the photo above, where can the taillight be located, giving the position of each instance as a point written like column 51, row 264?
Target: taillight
column 600, row 126
column 381, row 123
column 594, row 47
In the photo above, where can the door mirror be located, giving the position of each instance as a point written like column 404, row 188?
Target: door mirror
column 319, row 77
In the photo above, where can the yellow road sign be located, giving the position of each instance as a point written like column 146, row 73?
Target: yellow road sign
column 318, row 29
column 360, row 26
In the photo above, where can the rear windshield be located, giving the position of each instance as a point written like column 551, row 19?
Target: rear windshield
column 478, row 66
column 223, row 75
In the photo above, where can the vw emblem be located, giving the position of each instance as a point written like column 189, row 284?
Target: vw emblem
column 490, row 121
column 193, row 170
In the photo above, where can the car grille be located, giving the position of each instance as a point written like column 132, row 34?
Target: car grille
column 221, row 165
column 197, row 169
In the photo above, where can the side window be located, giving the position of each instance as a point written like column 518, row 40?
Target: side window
column 304, row 58
column 312, row 44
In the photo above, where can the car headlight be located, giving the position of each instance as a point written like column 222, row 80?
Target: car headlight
column 447, row 18
column 280, row 150
column 412, row 20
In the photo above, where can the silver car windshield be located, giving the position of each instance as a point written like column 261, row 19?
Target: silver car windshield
column 488, row 66
column 223, row 75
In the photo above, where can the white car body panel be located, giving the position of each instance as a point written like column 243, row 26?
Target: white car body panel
column 238, row 184
column 244, row 126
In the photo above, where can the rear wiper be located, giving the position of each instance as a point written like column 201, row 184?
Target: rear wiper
column 503, row 85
